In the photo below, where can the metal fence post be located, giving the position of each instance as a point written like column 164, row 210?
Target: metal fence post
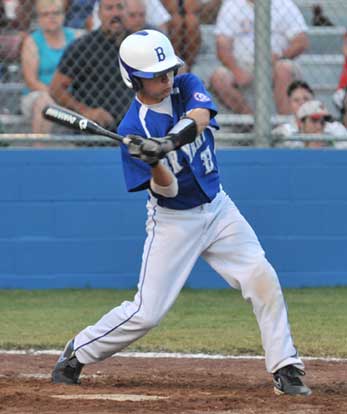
column 263, row 72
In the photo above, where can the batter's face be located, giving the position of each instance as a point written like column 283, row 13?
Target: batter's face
column 111, row 14
column 157, row 89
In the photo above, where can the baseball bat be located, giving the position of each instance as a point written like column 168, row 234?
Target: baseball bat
column 78, row 122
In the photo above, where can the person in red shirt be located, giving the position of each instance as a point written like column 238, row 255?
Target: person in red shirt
column 340, row 96
column 13, row 29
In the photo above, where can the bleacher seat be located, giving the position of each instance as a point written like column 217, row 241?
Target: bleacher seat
column 11, row 119
column 10, row 95
column 14, row 124
column 321, row 65
column 325, row 40
column 335, row 10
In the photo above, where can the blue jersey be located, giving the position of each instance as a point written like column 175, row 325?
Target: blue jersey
column 195, row 164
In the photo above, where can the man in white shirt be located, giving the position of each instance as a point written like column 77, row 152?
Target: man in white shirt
column 235, row 49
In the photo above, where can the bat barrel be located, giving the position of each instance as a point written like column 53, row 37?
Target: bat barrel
column 75, row 121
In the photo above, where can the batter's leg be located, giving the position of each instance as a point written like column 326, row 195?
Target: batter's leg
column 236, row 254
column 171, row 250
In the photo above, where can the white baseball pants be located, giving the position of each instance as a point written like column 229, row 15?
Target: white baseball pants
column 175, row 239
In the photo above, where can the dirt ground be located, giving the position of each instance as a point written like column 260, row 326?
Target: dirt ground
column 176, row 386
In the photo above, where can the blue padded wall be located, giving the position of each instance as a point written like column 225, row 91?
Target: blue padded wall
column 66, row 219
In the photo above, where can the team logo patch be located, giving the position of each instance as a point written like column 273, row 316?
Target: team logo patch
column 201, row 97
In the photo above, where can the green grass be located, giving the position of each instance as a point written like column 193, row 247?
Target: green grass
column 210, row 321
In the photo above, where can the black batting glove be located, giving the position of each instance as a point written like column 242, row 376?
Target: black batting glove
column 149, row 150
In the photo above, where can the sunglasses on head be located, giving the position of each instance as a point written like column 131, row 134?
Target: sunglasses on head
column 317, row 120
column 320, row 119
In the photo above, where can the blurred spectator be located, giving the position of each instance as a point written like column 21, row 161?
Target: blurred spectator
column 18, row 13
column 235, row 49
column 88, row 78
column 209, row 11
column 340, row 96
column 184, row 28
column 77, row 12
column 318, row 18
column 306, row 110
column 298, row 93
column 135, row 17
column 138, row 13
column 41, row 53
column 312, row 118
column 15, row 19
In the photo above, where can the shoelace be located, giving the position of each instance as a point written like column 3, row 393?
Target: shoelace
column 295, row 381
column 293, row 374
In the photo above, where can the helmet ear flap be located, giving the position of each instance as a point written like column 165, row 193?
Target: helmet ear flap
column 137, row 83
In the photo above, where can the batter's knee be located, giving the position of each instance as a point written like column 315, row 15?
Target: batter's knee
column 262, row 282
column 146, row 321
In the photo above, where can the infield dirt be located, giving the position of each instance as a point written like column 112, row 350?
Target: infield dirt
column 186, row 386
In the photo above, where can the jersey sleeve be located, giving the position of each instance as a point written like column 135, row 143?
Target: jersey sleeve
column 195, row 95
column 137, row 173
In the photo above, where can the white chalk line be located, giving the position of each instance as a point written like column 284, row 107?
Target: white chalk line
column 109, row 397
column 177, row 355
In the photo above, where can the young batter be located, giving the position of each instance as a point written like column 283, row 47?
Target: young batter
column 189, row 215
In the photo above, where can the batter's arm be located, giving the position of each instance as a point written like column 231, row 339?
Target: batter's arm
column 162, row 175
column 163, row 181
column 202, row 118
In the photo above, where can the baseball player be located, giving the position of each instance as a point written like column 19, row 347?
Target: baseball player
column 189, row 215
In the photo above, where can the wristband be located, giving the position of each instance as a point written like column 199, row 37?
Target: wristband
column 169, row 191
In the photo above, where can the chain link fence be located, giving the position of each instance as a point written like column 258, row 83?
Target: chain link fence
column 247, row 53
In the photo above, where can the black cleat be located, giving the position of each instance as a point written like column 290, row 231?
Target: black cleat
column 67, row 369
column 287, row 381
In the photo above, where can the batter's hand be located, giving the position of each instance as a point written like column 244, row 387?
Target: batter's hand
column 149, row 150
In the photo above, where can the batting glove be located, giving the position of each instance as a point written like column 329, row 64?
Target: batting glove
column 149, row 150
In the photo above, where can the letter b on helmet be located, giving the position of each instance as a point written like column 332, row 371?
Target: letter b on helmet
column 146, row 54
column 160, row 53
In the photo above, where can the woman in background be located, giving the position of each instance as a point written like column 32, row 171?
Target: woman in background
column 41, row 53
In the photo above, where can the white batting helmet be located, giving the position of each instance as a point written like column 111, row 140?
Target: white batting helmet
column 146, row 54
